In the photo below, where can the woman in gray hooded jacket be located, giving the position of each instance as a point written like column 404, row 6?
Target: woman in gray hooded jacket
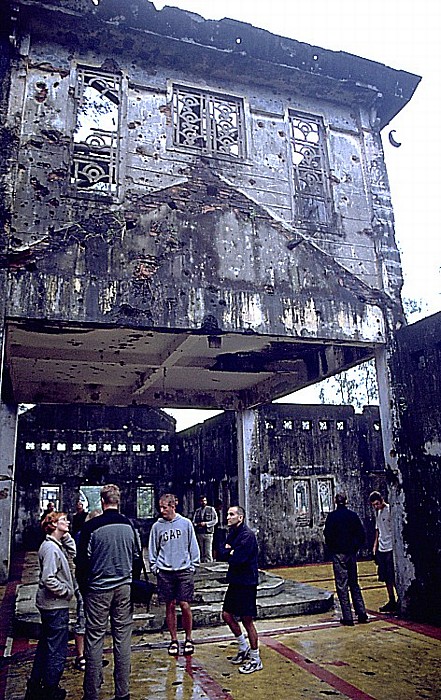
column 55, row 590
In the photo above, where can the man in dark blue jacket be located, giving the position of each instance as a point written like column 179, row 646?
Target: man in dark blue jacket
column 240, row 599
column 344, row 535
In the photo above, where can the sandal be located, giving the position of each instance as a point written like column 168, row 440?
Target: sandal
column 188, row 647
column 173, row 648
column 80, row 663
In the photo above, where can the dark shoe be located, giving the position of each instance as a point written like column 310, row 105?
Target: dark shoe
column 54, row 692
column 362, row 619
column 347, row 623
column 34, row 691
column 391, row 606
column 188, row 647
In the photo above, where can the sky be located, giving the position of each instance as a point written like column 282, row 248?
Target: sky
column 404, row 36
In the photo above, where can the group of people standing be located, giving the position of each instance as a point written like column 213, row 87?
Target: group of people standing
column 344, row 536
column 105, row 550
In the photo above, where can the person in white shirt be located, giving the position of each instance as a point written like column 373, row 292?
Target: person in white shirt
column 382, row 549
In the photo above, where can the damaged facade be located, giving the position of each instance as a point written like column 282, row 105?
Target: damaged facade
column 304, row 455
column 196, row 213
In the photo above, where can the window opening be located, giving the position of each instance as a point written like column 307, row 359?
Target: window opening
column 208, row 122
column 302, row 501
column 325, row 488
column 50, row 492
column 145, row 501
column 90, row 497
column 311, row 173
column 95, row 141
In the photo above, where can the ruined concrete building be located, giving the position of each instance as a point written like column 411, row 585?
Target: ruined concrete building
column 195, row 213
column 303, row 455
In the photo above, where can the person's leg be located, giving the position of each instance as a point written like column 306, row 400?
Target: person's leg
column 354, row 587
column 341, row 584
column 253, row 638
column 187, row 618
column 40, row 661
column 254, row 662
column 170, row 618
column 232, row 623
column 57, row 639
column 209, row 548
column 200, row 539
column 121, row 625
column 97, row 608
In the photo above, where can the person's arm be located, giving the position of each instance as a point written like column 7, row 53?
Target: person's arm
column 213, row 519
column 195, row 555
column 49, row 573
column 69, row 545
column 375, row 545
column 153, row 550
column 242, row 549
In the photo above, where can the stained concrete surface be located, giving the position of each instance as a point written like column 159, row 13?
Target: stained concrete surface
column 305, row 657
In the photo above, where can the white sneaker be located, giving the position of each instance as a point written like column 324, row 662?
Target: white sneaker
column 241, row 656
column 251, row 666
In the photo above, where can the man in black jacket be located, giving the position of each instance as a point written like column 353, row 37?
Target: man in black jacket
column 240, row 599
column 344, row 535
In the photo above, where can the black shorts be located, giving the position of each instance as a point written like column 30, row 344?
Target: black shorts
column 386, row 571
column 175, row 585
column 240, row 601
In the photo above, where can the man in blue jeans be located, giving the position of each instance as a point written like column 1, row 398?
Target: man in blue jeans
column 106, row 552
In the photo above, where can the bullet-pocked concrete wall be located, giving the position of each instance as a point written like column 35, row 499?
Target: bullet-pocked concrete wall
column 323, row 447
column 73, row 446
column 186, row 235
column 416, row 367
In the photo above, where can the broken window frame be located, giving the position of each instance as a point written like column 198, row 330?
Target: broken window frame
column 145, row 493
column 201, row 133
column 303, row 515
column 325, row 486
column 312, row 196
column 97, row 157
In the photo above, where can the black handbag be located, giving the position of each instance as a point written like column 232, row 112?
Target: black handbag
column 141, row 591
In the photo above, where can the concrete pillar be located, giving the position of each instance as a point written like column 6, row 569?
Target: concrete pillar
column 8, row 436
column 404, row 568
column 246, row 424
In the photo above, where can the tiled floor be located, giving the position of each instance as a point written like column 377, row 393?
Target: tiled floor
column 309, row 657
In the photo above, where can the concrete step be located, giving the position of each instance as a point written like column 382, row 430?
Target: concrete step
column 276, row 598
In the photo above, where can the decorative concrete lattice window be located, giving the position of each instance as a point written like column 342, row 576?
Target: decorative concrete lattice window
column 325, row 491
column 122, row 448
column 91, row 447
column 150, row 448
column 323, row 425
column 208, row 122
column 136, row 448
column 76, row 446
column 340, row 425
column 30, row 446
column 287, row 425
column 96, row 137
column 61, row 447
column 165, row 448
column 302, row 501
column 145, row 501
column 270, row 425
column 311, row 171
column 45, row 446
column 107, row 447
column 306, row 425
